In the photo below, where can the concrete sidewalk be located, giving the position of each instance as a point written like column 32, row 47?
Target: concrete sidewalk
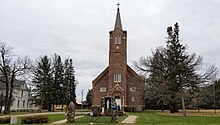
column 130, row 119
column 65, row 120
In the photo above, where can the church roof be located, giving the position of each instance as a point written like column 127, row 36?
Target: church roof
column 101, row 75
column 118, row 19
column 138, row 77
column 18, row 84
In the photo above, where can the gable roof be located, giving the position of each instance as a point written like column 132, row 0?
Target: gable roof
column 18, row 84
column 101, row 75
column 130, row 70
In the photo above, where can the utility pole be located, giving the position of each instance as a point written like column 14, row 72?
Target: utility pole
column 214, row 98
column 82, row 99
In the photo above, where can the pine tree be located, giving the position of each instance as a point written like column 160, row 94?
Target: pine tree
column 57, row 80
column 89, row 97
column 69, row 81
column 43, row 82
column 55, row 83
column 181, row 67
column 174, row 72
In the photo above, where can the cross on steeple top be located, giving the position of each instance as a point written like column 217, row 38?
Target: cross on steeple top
column 118, row 5
column 118, row 19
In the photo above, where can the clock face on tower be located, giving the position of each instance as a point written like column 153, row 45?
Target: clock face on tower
column 117, row 47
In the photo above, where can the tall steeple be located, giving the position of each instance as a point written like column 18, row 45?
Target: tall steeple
column 118, row 19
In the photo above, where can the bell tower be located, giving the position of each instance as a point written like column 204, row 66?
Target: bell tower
column 118, row 59
column 118, row 81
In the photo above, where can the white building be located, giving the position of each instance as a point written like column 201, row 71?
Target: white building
column 21, row 97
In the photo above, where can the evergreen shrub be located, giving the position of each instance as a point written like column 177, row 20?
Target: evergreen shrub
column 4, row 120
column 34, row 119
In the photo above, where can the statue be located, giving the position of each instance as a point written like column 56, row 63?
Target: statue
column 107, row 103
column 102, row 106
column 71, row 113
column 114, row 111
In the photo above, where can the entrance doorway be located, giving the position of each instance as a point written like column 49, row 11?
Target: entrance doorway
column 118, row 101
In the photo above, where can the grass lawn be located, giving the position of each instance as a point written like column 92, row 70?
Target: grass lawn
column 80, row 121
column 156, row 118
column 98, row 120
column 21, row 113
column 16, row 113
column 52, row 118
column 150, row 118
column 56, row 117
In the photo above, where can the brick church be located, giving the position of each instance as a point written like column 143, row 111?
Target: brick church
column 118, row 81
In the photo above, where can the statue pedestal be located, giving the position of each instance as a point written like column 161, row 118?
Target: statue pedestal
column 71, row 113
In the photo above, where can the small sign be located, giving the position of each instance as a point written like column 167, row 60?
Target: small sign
column 13, row 120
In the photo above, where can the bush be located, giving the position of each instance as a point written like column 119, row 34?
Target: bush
column 5, row 120
column 120, row 113
column 96, row 111
column 34, row 119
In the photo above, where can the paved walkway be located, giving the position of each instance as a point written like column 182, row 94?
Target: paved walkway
column 65, row 120
column 130, row 119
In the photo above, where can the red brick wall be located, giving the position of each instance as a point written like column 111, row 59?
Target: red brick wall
column 118, row 65
column 138, row 93
column 97, row 95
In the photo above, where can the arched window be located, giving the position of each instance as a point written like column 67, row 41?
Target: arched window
column 102, row 89
column 117, row 77
column 117, row 40
column 132, row 98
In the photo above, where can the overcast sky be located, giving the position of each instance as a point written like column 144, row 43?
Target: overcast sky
column 79, row 29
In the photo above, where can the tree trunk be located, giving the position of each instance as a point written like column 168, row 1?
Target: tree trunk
column 183, row 105
column 1, row 107
column 10, row 94
column 41, row 106
column 62, row 107
column 7, row 106
column 6, row 100
column 198, row 105
column 49, row 107
column 161, row 105
column 53, row 106
column 172, row 105
column 172, row 108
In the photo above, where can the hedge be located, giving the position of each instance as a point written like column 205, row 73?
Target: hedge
column 4, row 120
column 34, row 119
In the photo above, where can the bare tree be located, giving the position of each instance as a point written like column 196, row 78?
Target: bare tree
column 11, row 66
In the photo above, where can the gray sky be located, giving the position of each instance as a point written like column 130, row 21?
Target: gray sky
column 79, row 29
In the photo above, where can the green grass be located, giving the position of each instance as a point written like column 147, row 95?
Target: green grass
column 52, row 118
column 152, row 118
column 101, row 119
column 146, row 118
column 56, row 117
column 16, row 113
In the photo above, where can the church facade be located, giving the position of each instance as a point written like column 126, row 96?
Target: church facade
column 119, row 81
